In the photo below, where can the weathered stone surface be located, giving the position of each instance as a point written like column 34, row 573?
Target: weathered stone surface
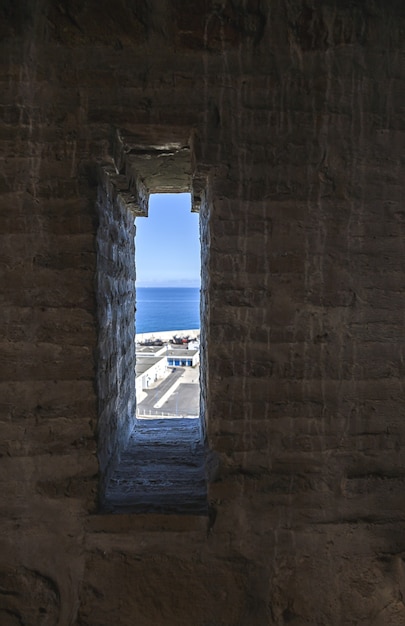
column 30, row 598
column 289, row 116
column 194, row 591
column 161, row 469
column 116, row 327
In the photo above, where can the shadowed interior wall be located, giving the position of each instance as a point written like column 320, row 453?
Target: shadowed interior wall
column 116, row 327
column 293, row 111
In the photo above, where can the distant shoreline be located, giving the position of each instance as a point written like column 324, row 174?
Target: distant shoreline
column 166, row 335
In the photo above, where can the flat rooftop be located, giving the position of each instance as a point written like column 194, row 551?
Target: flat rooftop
column 180, row 352
column 144, row 363
column 144, row 350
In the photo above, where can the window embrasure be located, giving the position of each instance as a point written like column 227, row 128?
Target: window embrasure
column 135, row 475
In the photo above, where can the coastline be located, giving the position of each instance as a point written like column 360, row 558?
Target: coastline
column 166, row 335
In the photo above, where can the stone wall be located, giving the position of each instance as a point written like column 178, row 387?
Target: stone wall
column 293, row 114
column 115, row 289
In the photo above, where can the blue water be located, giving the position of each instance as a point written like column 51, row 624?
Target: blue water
column 166, row 308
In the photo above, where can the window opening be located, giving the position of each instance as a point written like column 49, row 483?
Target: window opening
column 161, row 467
column 167, row 254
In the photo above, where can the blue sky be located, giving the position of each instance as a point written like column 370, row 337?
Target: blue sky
column 167, row 244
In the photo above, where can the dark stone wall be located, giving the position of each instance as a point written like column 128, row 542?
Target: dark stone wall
column 115, row 288
column 293, row 114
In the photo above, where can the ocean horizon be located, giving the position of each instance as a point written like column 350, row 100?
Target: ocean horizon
column 167, row 308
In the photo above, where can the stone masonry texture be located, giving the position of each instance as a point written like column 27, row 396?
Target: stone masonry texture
column 288, row 116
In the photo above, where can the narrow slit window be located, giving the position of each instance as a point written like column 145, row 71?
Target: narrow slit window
column 162, row 466
column 167, row 254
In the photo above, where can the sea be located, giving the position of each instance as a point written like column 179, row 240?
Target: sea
column 167, row 308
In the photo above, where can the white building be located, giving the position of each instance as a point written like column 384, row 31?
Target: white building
column 182, row 357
